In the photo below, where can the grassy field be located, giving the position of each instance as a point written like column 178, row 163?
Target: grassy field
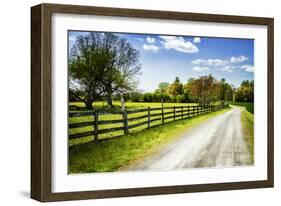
column 247, row 120
column 110, row 155
column 129, row 106
column 248, row 105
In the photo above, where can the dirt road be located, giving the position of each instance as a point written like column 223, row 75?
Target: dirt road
column 218, row 142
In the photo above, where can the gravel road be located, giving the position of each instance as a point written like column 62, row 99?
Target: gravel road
column 218, row 142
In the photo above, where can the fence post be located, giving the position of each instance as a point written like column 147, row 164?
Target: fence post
column 122, row 103
column 188, row 111
column 162, row 114
column 96, row 126
column 174, row 113
column 182, row 112
column 193, row 111
column 125, row 122
column 148, row 117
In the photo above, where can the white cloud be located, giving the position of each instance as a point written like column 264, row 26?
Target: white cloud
column 196, row 40
column 200, row 69
column 150, row 47
column 210, row 62
column 238, row 59
column 248, row 68
column 199, row 61
column 227, row 68
column 178, row 44
column 150, row 40
column 225, row 65
column 216, row 62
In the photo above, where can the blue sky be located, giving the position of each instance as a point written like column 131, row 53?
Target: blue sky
column 165, row 57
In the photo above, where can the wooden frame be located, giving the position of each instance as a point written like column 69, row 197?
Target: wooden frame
column 41, row 101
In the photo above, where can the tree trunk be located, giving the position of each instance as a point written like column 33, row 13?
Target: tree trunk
column 89, row 104
column 109, row 100
column 109, row 95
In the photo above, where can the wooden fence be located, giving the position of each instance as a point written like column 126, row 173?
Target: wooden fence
column 164, row 115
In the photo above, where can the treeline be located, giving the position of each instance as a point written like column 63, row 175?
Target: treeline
column 203, row 90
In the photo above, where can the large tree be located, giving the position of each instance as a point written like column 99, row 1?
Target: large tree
column 119, row 75
column 163, row 87
column 187, row 91
column 162, row 91
column 102, row 64
column 175, row 88
column 86, row 66
column 203, row 88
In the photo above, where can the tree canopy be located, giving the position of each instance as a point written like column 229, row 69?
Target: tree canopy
column 245, row 93
column 175, row 88
column 102, row 64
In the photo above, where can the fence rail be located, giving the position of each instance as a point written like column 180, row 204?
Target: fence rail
column 174, row 113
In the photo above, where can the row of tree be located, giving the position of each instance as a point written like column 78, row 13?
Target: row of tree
column 203, row 90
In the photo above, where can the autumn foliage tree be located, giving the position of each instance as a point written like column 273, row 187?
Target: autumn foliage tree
column 175, row 88
column 203, row 89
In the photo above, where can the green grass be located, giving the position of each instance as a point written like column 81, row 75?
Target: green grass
column 130, row 105
column 248, row 105
column 115, row 153
column 247, row 120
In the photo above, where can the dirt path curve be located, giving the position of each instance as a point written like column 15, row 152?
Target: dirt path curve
column 218, row 142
